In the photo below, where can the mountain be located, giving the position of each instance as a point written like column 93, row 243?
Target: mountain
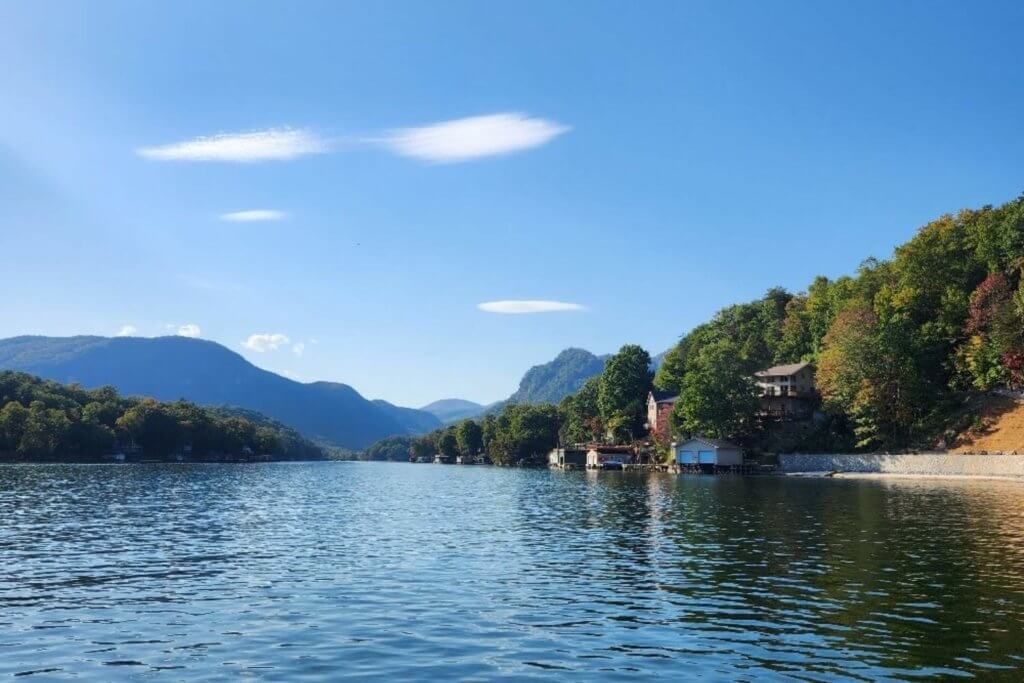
column 554, row 380
column 168, row 368
column 419, row 421
column 453, row 409
column 546, row 383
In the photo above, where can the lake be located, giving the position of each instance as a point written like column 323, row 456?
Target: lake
column 321, row 571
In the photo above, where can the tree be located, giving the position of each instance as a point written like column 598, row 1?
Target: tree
column 622, row 391
column 469, row 437
column 447, row 444
column 580, row 416
column 12, row 425
column 45, row 430
column 524, row 434
column 718, row 398
column 422, row 448
column 151, row 427
column 669, row 376
column 867, row 371
column 489, row 430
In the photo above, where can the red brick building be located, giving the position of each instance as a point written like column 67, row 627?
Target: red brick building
column 659, row 405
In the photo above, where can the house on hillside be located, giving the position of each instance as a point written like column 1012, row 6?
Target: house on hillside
column 707, row 453
column 659, row 405
column 787, row 391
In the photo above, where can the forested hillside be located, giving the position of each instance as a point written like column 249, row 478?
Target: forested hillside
column 42, row 419
column 898, row 345
column 168, row 368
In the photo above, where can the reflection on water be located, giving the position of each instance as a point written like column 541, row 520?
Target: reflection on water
column 322, row 571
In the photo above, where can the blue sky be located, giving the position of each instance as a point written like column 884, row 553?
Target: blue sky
column 648, row 163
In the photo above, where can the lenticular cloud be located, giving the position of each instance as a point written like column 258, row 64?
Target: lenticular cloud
column 275, row 144
column 528, row 306
column 473, row 138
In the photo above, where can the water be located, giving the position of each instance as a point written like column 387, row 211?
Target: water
column 403, row 572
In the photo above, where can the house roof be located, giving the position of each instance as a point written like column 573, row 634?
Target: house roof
column 612, row 449
column 782, row 370
column 664, row 396
column 714, row 443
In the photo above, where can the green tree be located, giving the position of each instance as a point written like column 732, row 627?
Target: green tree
column 867, row 371
column 447, row 444
column 524, row 434
column 580, row 416
column 13, row 417
column 45, row 430
column 469, row 437
column 718, row 398
column 152, row 427
column 622, row 392
column 422, row 448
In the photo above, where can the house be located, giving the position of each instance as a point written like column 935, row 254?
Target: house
column 567, row 458
column 609, row 457
column 787, row 391
column 659, row 405
column 702, row 451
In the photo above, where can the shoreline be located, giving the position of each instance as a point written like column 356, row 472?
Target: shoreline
column 921, row 476
column 916, row 476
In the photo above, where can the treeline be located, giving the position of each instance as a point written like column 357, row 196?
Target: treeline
column 41, row 419
column 611, row 405
column 899, row 347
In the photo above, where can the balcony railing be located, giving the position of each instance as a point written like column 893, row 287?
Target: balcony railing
column 784, row 392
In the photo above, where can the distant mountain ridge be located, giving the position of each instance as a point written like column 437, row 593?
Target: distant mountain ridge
column 169, row 368
column 453, row 409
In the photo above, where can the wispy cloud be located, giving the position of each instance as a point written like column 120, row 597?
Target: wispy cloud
column 265, row 342
column 127, row 331
column 528, row 306
column 274, row 144
column 189, row 330
column 298, row 348
column 253, row 215
column 474, row 137
column 465, row 139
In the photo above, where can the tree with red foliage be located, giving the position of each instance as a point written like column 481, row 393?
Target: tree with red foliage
column 986, row 300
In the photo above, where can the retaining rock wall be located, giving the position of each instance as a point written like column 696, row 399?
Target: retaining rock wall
column 943, row 464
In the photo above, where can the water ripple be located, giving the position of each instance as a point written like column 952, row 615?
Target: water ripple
column 330, row 571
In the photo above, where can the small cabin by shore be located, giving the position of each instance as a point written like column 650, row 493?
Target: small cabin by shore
column 609, row 457
column 566, row 458
column 702, row 451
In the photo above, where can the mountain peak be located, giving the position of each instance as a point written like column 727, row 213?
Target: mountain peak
column 552, row 381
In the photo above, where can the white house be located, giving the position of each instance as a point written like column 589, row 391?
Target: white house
column 703, row 451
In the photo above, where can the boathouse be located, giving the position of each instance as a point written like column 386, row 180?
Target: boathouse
column 609, row 457
column 704, row 451
column 567, row 458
